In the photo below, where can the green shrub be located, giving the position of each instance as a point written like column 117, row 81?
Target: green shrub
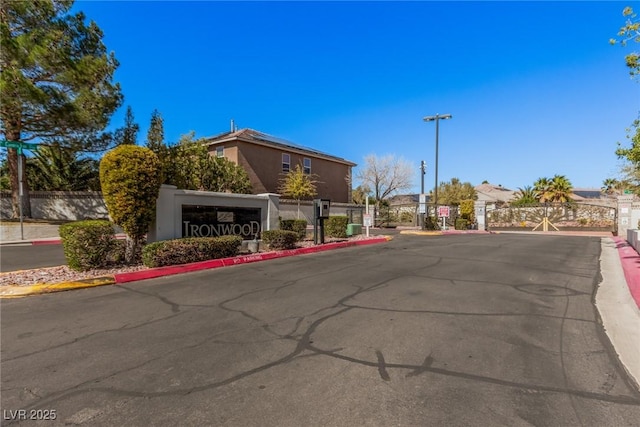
column 190, row 249
column 89, row 244
column 461, row 224
column 406, row 216
column 280, row 239
column 297, row 225
column 431, row 223
column 336, row 226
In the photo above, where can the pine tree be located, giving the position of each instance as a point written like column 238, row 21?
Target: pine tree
column 56, row 81
column 129, row 133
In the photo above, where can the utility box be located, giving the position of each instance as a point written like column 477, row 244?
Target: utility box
column 323, row 206
column 320, row 213
column 353, row 229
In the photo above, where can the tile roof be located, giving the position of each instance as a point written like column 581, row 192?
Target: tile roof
column 494, row 193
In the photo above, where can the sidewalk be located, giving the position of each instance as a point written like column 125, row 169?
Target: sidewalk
column 10, row 232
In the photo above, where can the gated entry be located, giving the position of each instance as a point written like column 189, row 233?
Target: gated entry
column 553, row 216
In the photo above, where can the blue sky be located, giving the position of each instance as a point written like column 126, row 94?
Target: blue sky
column 535, row 88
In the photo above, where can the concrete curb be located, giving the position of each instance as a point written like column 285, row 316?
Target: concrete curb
column 630, row 260
column 618, row 311
column 44, row 288
column 446, row 232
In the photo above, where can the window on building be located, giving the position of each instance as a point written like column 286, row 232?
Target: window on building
column 307, row 166
column 286, row 162
column 219, row 151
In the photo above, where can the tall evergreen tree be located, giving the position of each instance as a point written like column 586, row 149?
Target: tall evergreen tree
column 155, row 142
column 56, row 83
column 129, row 133
column 155, row 134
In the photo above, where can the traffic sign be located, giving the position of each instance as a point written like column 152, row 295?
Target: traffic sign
column 368, row 220
column 443, row 212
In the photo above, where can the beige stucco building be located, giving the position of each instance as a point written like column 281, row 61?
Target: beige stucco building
column 267, row 159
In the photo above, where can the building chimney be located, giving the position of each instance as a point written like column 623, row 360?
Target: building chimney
column 233, row 126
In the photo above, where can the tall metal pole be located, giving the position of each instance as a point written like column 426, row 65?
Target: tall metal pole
column 435, row 193
column 20, row 191
column 423, row 200
column 436, row 119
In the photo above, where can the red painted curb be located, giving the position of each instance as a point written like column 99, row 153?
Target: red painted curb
column 244, row 259
column 46, row 242
column 631, row 266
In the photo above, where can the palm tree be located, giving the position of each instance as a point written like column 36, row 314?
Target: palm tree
column 611, row 186
column 542, row 189
column 54, row 168
column 525, row 196
column 560, row 189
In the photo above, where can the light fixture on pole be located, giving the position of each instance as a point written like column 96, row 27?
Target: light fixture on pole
column 436, row 119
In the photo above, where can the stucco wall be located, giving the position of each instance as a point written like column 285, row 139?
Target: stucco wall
column 60, row 205
column 169, row 223
column 264, row 167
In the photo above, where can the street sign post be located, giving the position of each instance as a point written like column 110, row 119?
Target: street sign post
column 368, row 220
column 19, row 146
column 444, row 212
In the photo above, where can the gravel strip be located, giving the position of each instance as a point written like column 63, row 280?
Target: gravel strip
column 59, row 274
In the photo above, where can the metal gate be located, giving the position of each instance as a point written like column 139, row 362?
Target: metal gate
column 553, row 217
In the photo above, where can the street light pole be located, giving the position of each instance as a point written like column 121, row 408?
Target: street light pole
column 436, row 119
column 423, row 201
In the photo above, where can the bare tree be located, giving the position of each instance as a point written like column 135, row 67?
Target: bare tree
column 386, row 175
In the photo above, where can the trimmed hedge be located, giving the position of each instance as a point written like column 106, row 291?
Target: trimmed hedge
column 297, row 225
column 336, row 226
column 190, row 249
column 280, row 239
column 130, row 177
column 89, row 244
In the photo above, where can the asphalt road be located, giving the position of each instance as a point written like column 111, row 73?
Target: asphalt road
column 464, row 330
column 18, row 257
